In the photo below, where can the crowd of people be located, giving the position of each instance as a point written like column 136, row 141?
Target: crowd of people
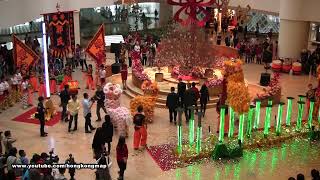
column 314, row 174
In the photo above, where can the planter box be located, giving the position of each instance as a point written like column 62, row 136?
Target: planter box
column 135, row 81
column 215, row 91
column 159, row 77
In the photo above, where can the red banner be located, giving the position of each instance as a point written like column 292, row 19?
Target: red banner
column 96, row 47
column 23, row 55
column 60, row 29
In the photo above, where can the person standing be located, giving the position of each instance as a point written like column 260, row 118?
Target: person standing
column 181, row 91
column 107, row 127
column 204, row 99
column 41, row 116
column 102, row 75
column 99, row 96
column 196, row 95
column 140, row 129
column 188, row 102
column 87, row 105
column 73, row 108
column 90, row 77
column 83, row 60
column 122, row 156
column 124, row 75
column 172, row 104
column 98, row 143
column 64, row 99
column 25, row 93
column 8, row 141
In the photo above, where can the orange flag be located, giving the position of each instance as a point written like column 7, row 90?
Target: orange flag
column 23, row 55
column 96, row 47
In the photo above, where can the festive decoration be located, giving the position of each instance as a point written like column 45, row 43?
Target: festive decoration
column 137, row 70
column 300, row 114
column 60, row 29
column 257, row 114
column 222, row 119
column 148, row 101
column 192, row 8
column 120, row 115
column 273, row 91
column 279, row 118
column 23, row 55
column 267, row 120
column 73, row 87
column 96, row 47
column 289, row 111
column 231, row 123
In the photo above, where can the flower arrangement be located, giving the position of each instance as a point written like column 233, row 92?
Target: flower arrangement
column 138, row 71
column 148, row 101
column 273, row 89
column 212, row 82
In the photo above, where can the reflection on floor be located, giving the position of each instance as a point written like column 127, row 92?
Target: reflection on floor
column 277, row 163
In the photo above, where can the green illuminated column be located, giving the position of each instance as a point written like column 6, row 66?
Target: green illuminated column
column 270, row 102
column 257, row 115
column 267, row 120
column 179, row 130
column 231, row 122
column 310, row 113
column 250, row 118
column 241, row 124
column 300, row 114
column 279, row 118
column 191, row 126
column 222, row 119
column 301, row 98
column 319, row 116
column 289, row 111
column 199, row 134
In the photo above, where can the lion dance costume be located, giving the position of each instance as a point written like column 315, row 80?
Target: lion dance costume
column 120, row 115
column 147, row 101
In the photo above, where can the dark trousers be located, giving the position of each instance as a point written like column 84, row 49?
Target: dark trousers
column 122, row 166
column 173, row 114
column 187, row 113
column 75, row 117
column 109, row 147
column 83, row 62
column 64, row 112
column 144, row 60
column 100, row 106
column 87, row 124
column 42, row 123
column 130, row 61
column 203, row 107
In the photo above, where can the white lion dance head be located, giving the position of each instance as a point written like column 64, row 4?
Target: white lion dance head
column 120, row 115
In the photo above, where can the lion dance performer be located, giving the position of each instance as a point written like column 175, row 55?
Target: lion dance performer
column 316, row 115
column 120, row 115
column 53, row 83
column 147, row 101
column 67, row 77
column 34, row 81
column 42, row 88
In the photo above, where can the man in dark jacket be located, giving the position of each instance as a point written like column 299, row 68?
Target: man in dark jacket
column 64, row 97
column 189, row 98
column 41, row 116
column 99, row 96
column 172, row 104
column 181, row 91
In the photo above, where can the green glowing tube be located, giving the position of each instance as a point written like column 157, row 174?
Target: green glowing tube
column 310, row 113
column 191, row 126
column 257, row 114
column 289, row 111
column 319, row 115
column 250, row 117
column 300, row 114
column 231, row 122
column 222, row 119
column 199, row 134
column 301, row 97
column 267, row 121
column 179, row 130
column 241, row 123
column 279, row 118
column 270, row 102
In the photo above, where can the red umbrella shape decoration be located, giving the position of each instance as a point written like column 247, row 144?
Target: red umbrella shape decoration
column 192, row 8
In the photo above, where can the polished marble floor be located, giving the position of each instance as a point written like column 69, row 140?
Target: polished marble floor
column 278, row 163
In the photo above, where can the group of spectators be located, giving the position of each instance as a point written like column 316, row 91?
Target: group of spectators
column 314, row 174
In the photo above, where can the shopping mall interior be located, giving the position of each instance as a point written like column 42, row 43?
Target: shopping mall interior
column 159, row 89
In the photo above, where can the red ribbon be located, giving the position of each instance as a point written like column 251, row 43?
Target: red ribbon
column 192, row 8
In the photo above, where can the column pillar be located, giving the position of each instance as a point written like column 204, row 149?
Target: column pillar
column 166, row 11
column 294, row 31
column 76, row 19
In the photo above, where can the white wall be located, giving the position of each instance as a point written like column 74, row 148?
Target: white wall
column 300, row 10
column 13, row 12
column 264, row 5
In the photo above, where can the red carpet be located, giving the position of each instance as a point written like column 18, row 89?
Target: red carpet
column 27, row 118
column 162, row 155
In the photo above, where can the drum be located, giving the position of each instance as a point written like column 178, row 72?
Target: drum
column 286, row 67
column 276, row 65
column 296, row 68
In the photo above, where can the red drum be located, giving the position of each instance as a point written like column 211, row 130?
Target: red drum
column 296, row 68
column 286, row 68
column 276, row 65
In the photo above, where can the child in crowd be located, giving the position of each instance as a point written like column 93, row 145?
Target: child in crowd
column 122, row 156
column 8, row 141
column 23, row 159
